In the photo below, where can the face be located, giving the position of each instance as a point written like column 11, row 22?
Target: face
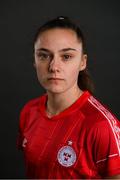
column 58, row 60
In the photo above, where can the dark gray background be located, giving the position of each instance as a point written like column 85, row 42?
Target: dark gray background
column 100, row 21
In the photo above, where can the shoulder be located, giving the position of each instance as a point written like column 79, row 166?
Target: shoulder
column 33, row 103
column 97, row 111
column 30, row 108
column 101, row 122
column 103, row 129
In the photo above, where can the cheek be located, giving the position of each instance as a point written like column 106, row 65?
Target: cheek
column 72, row 73
column 41, row 72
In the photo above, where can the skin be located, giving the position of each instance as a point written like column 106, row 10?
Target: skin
column 58, row 60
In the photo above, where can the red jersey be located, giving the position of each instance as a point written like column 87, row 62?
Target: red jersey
column 83, row 141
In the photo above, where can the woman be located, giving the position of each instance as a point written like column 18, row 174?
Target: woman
column 67, row 133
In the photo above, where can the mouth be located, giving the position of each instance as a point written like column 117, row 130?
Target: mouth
column 55, row 79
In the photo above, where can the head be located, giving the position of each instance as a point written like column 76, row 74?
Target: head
column 60, row 56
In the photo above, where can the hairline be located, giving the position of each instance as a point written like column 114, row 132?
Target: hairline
column 52, row 28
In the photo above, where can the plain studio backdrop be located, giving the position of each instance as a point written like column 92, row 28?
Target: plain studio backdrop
column 100, row 22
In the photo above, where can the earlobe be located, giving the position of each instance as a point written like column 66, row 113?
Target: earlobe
column 83, row 63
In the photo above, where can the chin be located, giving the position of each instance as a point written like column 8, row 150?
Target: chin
column 57, row 90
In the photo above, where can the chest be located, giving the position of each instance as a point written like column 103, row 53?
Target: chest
column 46, row 137
column 57, row 146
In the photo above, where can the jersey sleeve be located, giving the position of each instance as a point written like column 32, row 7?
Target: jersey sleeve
column 107, row 148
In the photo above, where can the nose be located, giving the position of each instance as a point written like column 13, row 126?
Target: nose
column 54, row 65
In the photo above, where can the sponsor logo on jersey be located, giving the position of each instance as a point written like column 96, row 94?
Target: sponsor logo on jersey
column 66, row 156
column 24, row 142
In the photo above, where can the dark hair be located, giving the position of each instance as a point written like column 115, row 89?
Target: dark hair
column 84, row 79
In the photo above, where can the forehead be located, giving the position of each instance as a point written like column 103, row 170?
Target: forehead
column 58, row 38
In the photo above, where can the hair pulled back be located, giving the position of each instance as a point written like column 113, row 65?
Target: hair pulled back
column 84, row 79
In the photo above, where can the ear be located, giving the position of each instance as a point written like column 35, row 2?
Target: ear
column 83, row 63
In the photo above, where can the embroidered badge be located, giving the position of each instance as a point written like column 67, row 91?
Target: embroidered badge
column 66, row 156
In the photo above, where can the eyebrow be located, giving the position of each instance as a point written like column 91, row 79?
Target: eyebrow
column 62, row 50
column 68, row 49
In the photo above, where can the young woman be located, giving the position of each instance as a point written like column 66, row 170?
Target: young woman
column 67, row 133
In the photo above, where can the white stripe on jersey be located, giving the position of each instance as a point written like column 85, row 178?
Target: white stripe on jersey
column 101, row 160
column 112, row 121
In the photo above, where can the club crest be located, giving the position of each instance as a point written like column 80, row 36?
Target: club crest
column 66, row 156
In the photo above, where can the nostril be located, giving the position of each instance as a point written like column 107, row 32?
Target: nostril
column 53, row 65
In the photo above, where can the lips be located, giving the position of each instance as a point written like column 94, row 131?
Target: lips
column 54, row 78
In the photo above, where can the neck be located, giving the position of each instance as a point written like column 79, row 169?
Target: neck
column 58, row 102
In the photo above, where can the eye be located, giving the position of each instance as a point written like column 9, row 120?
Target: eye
column 43, row 56
column 67, row 57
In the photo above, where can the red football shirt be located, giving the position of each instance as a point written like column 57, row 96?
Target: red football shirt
column 83, row 141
